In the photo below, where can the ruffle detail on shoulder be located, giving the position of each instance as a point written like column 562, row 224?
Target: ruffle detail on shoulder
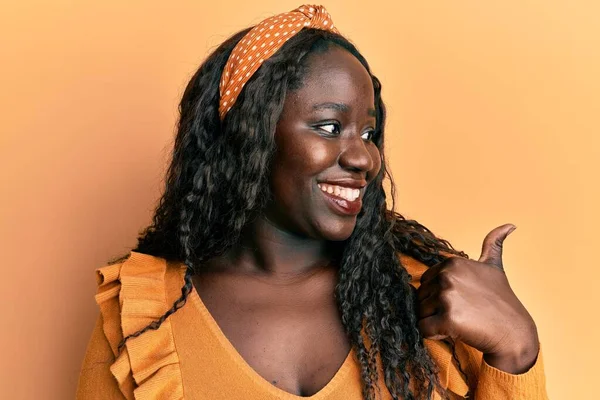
column 131, row 295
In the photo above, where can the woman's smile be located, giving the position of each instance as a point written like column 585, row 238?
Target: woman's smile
column 344, row 200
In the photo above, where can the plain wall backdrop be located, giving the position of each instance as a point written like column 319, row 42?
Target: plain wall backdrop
column 493, row 118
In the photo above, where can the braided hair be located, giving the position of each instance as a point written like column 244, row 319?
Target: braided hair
column 217, row 183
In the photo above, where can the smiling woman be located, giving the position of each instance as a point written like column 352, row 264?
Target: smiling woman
column 273, row 268
column 326, row 154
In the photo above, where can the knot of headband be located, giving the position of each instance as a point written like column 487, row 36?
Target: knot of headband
column 260, row 43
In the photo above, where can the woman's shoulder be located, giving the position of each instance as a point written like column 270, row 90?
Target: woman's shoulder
column 133, row 292
column 136, row 277
column 138, row 271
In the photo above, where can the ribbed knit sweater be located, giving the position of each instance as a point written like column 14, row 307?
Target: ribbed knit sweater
column 189, row 357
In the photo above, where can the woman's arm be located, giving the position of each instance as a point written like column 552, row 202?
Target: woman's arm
column 472, row 303
column 488, row 382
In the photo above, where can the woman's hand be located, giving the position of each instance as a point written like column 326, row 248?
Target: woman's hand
column 472, row 301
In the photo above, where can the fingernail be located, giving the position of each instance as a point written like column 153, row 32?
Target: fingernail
column 512, row 229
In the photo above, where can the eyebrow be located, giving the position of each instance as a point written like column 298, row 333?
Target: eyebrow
column 341, row 107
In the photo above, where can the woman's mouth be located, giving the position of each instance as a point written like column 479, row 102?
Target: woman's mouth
column 343, row 200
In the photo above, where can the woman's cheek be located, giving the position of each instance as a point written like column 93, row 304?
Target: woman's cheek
column 320, row 155
column 376, row 155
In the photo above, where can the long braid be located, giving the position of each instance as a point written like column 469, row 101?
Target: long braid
column 185, row 233
column 218, row 182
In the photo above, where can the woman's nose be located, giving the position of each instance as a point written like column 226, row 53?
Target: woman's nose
column 354, row 155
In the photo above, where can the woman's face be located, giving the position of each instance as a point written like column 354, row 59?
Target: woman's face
column 325, row 156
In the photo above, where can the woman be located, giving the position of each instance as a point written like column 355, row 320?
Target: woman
column 273, row 269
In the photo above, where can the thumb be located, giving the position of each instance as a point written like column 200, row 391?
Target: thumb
column 491, row 251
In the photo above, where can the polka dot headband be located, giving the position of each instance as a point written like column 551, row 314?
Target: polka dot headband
column 260, row 43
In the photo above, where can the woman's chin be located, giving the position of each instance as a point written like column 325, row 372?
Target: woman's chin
column 337, row 232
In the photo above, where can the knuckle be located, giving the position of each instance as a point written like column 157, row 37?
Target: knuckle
column 451, row 262
column 445, row 298
column 447, row 279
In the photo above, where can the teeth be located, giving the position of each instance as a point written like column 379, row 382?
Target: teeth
column 349, row 194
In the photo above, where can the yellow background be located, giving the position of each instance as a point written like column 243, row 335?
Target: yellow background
column 493, row 118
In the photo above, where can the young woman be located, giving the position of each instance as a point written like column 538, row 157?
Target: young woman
column 273, row 269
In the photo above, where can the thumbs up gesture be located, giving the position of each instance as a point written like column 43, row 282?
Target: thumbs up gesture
column 472, row 301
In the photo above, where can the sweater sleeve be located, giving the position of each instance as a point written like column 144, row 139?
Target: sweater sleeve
column 96, row 380
column 497, row 384
column 490, row 383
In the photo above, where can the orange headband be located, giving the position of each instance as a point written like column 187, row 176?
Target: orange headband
column 260, row 43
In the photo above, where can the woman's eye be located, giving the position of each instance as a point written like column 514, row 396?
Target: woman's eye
column 368, row 135
column 330, row 128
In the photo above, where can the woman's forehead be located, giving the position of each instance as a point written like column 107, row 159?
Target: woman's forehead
column 335, row 76
column 335, row 64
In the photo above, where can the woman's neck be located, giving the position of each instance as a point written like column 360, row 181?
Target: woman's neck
column 270, row 250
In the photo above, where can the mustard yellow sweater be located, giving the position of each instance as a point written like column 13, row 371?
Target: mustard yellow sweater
column 189, row 357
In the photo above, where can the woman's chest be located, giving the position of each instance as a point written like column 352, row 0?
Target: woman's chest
column 290, row 337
